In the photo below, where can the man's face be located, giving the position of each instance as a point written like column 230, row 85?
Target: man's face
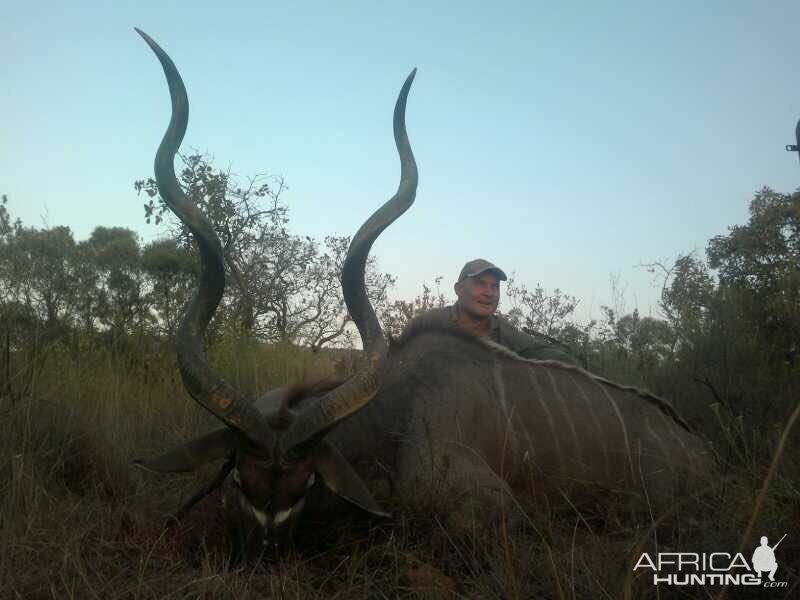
column 478, row 296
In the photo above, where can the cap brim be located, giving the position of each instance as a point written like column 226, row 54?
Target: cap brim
column 497, row 271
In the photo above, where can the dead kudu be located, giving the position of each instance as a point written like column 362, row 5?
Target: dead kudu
column 436, row 408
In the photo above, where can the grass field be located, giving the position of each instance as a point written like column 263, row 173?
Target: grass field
column 77, row 520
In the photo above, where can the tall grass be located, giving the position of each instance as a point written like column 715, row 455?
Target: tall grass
column 78, row 521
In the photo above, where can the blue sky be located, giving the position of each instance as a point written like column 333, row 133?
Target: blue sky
column 563, row 141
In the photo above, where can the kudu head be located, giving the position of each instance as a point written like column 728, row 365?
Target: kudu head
column 275, row 446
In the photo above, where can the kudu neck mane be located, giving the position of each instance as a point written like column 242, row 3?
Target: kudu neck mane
column 418, row 329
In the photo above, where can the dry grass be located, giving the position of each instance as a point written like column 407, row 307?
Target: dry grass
column 78, row 521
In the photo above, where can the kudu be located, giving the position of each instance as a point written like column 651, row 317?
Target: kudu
column 437, row 407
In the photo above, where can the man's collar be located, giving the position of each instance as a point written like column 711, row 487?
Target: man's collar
column 494, row 322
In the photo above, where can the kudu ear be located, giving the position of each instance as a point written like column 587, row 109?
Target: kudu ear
column 341, row 479
column 193, row 454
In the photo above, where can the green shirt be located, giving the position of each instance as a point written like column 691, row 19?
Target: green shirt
column 502, row 332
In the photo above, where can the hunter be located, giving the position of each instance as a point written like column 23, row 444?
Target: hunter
column 478, row 292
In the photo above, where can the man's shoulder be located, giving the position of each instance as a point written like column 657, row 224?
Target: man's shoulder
column 539, row 347
column 432, row 318
column 439, row 311
column 507, row 330
column 440, row 315
column 446, row 315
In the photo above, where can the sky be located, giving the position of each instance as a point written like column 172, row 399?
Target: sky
column 567, row 142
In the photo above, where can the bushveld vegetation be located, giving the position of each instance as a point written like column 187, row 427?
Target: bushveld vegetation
column 88, row 381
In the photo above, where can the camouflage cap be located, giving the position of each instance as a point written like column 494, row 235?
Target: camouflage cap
column 475, row 267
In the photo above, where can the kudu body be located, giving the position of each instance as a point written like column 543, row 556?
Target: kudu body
column 437, row 408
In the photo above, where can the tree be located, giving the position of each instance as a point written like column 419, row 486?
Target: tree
column 736, row 316
column 757, row 287
column 36, row 271
column 538, row 311
column 6, row 226
column 172, row 272
column 759, row 264
column 764, row 254
column 647, row 341
column 35, row 298
column 398, row 314
column 319, row 313
column 285, row 287
column 246, row 218
column 114, row 257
